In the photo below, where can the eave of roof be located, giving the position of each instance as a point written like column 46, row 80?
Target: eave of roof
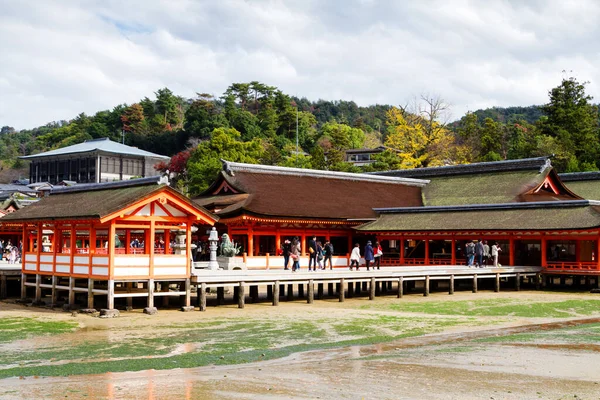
column 479, row 207
column 102, row 145
column 580, row 176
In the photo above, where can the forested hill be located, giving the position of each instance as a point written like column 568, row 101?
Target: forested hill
column 256, row 123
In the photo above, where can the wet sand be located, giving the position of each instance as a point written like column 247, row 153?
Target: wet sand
column 448, row 365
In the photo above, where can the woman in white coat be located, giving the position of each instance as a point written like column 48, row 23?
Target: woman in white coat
column 355, row 257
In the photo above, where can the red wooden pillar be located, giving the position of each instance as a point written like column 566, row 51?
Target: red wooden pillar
column 167, row 239
column 544, row 252
column 277, row 241
column 426, row 251
column 127, row 241
column 350, row 245
column 511, row 251
column 597, row 255
column 73, row 244
column 401, row 250
column 250, row 242
column 453, row 253
column 39, row 245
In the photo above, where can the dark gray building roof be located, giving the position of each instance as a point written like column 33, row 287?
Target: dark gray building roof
column 104, row 145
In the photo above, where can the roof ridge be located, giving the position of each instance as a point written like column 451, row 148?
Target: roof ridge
column 579, row 176
column 88, row 187
column 539, row 163
column 497, row 206
column 230, row 167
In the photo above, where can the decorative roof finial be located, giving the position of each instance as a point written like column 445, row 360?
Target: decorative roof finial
column 227, row 168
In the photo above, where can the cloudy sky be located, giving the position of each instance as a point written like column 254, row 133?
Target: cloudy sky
column 63, row 57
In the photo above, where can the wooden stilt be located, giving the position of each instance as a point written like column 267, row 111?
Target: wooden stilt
column 254, row 293
column 301, row 290
column 23, row 287
column 111, row 295
column 270, row 292
column 71, row 292
column 150, row 293
column 275, row 290
column 538, row 280
column 337, row 288
column 90, row 300
column 320, row 291
column 372, row 289
column 54, row 293
column 451, row 285
column 311, row 292
column 3, row 287
column 188, row 292
column 518, row 282
column 350, row 289
column 497, row 286
column 475, row 283
column 426, row 292
column 220, row 296
column 330, row 291
column 389, row 286
column 290, row 292
column 241, row 295
column 400, row 287
column 202, row 295
column 357, row 288
column 341, row 290
column 38, row 289
column 364, row 286
column 282, row 290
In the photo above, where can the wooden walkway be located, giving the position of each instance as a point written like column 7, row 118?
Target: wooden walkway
column 342, row 281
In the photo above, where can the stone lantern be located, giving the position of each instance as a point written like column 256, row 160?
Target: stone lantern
column 213, row 240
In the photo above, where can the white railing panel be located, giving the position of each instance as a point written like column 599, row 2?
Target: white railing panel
column 46, row 267
column 46, row 258
column 132, row 271
column 103, row 271
column 30, row 257
column 162, row 271
column 81, row 260
column 65, row 269
column 170, row 261
column 63, row 259
column 81, row 270
column 100, row 260
column 30, row 267
column 132, row 261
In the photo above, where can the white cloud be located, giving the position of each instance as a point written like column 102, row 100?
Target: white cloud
column 61, row 58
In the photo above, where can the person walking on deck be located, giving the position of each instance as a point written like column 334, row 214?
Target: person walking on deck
column 368, row 254
column 495, row 252
column 328, row 249
column 470, row 253
column 355, row 257
column 378, row 253
column 295, row 254
column 286, row 251
column 320, row 255
column 312, row 250
column 479, row 253
column 486, row 252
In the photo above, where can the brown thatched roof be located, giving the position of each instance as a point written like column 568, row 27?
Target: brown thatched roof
column 291, row 192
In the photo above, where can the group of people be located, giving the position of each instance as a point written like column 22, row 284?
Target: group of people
column 373, row 256
column 319, row 254
column 479, row 254
column 10, row 252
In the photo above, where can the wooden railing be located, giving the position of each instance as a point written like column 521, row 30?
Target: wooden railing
column 118, row 250
column 572, row 266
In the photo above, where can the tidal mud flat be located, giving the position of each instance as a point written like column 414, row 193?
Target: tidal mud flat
column 489, row 345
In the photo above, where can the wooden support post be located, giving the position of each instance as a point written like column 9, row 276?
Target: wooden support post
column 378, row 288
column 475, row 283
column 518, row 282
column 254, row 293
column 23, row 287
column 300, row 290
column 311, row 292
column 71, row 292
column 90, row 301
column 320, row 291
column 497, row 287
column 201, row 292
column 282, row 290
column 241, row 295
column 188, row 292
column 38, row 289
column 350, row 289
column 111, row 295
column 330, row 291
column 150, row 293
column 453, row 252
column 511, row 252
column 426, row 292
column 400, row 287
column 3, row 287
column 220, row 296
column 389, row 286
column 290, row 292
column 54, row 294
column 451, row 285
column 341, row 290
column 372, row 289
column 275, row 293
column 364, row 286
column 270, row 292
column 358, row 288
column 129, row 300
column 538, row 279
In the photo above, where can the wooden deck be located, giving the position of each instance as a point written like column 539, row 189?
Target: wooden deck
column 340, row 281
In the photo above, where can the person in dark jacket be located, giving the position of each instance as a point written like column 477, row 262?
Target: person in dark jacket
column 368, row 254
column 479, row 250
column 312, row 253
column 328, row 254
column 286, row 251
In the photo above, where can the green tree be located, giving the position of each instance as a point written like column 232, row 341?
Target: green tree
column 573, row 121
column 203, row 116
column 204, row 163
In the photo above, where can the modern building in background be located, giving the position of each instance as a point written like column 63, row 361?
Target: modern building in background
column 93, row 161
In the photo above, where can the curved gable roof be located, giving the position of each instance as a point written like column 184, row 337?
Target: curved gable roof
column 105, row 145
